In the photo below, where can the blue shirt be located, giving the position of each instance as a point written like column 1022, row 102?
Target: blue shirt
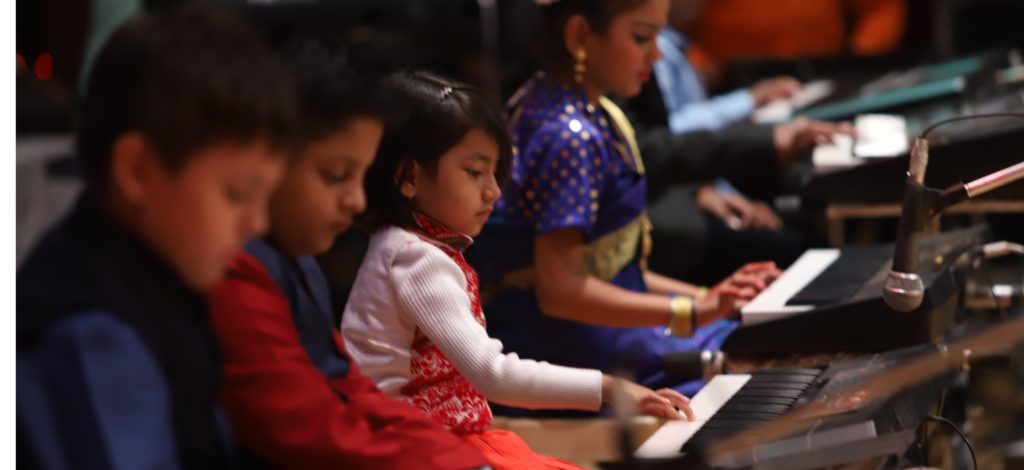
column 117, row 366
column 684, row 94
column 305, row 286
column 573, row 169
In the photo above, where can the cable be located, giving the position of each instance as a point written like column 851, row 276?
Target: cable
column 932, row 127
column 963, row 436
column 938, row 409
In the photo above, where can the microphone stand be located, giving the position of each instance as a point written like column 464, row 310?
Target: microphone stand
column 904, row 289
column 962, row 191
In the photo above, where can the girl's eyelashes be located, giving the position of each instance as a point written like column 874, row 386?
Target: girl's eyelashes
column 237, row 195
column 334, row 176
column 474, row 173
column 642, row 39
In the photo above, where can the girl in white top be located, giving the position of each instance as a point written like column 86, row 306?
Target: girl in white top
column 413, row 322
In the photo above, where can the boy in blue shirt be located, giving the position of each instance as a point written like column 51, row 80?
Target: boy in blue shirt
column 184, row 125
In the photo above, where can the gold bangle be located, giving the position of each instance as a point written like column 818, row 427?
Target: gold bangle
column 681, row 322
column 702, row 292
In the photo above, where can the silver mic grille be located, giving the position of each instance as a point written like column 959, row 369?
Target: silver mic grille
column 903, row 292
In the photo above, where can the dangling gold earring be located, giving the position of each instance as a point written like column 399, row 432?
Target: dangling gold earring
column 580, row 68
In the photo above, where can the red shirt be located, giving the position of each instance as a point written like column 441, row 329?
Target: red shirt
column 283, row 408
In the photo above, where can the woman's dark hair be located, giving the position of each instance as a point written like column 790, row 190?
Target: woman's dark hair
column 598, row 13
column 185, row 77
column 333, row 87
column 437, row 115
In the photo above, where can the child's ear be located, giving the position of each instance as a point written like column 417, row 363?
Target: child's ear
column 406, row 177
column 132, row 162
column 576, row 34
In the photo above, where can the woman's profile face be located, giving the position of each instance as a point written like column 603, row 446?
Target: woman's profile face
column 619, row 59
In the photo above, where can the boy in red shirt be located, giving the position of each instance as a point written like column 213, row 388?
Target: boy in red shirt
column 292, row 393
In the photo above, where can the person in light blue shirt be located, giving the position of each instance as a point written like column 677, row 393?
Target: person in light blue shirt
column 684, row 92
column 704, row 162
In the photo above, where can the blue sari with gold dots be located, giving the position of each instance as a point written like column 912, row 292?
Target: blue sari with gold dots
column 576, row 166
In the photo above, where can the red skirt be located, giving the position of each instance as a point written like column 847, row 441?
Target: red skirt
column 507, row 451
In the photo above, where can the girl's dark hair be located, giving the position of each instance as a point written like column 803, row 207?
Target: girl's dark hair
column 437, row 115
column 598, row 13
column 333, row 87
column 185, row 77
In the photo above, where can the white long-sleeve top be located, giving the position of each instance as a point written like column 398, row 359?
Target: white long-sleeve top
column 414, row 313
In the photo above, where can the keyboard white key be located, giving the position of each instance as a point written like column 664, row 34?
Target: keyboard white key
column 781, row 110
column 671, row 436
column 878, row 136
column 669, row 440
column 881, row 136
column 770, row 304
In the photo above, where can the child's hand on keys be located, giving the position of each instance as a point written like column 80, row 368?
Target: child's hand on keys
column 734, row 292
column 749, row 280
column 664, row 403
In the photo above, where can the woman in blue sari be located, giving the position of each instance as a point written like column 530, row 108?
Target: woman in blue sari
column 563, row 258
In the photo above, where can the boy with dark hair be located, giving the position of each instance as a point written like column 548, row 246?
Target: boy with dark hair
column 184, row 125
column 292, row 393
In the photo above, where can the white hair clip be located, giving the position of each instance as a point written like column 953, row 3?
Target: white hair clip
column 446, row 92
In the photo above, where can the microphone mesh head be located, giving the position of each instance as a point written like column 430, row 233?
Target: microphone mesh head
column 903, row 292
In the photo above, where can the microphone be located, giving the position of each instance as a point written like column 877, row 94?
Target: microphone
column 689, row 365
column 903, row 290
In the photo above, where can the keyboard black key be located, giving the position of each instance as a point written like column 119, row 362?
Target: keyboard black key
column 776, row 386
column 765, row 408
column 844, row 277
column 732, row 426
column 787, row 371
column 794, row 394
column 769, row 400
column 792, row 378
column 727, row 414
